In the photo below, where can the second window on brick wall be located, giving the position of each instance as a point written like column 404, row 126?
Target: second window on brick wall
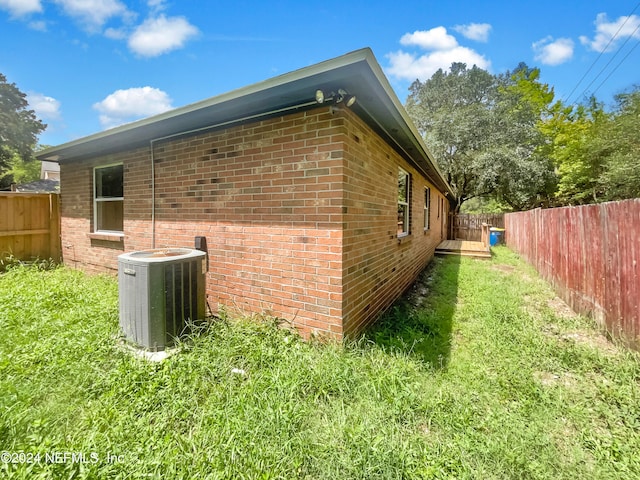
column 427, row 208
column 108, row 198
column 404, row 202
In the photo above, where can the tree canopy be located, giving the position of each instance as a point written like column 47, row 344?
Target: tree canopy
column 19, row 129
column 504, row 140
column 483, row 130
column 452, row 111
column 619, row 141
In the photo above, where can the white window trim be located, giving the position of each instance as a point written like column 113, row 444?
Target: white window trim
column 407, row 219
column 110, row 199
column 427, row 208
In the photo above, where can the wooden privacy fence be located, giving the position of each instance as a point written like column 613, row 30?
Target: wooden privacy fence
column 30, row 225
column 469, row 226
column 591, row 255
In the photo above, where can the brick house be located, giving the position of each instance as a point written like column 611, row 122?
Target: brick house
column 316, row 209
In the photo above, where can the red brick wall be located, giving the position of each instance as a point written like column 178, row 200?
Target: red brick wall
column 286, row 206
column 378, row 266
column 98, row 255
column 266, row 196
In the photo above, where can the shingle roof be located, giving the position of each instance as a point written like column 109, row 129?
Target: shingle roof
column 40, row 186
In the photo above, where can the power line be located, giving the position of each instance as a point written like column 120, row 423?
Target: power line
column 611, row 60
column 616, row 67
column 601, row 53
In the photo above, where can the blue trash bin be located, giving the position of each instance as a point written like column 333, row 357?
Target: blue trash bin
column 496, row 236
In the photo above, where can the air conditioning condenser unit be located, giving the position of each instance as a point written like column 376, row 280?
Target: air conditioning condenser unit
column 161, row 292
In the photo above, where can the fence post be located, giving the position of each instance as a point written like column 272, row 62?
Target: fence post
column 55, row 250
column 485, row 237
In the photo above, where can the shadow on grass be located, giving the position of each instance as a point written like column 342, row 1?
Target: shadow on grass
column 420, row 322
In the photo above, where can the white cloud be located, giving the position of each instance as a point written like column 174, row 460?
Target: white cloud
column 115, row 33
column 39, row 25
column 92, row 14
column 408, row 66
column 623, row 27
column 442, row 50
column 46, row 108
column 123, row 106
column 553, row 52
column 474, row 31
column 156, row 5
column 435, row 39
column 161, row 35
column 20, row 8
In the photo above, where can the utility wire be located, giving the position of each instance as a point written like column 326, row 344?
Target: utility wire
column 611, row 60
column 616, row 67
column 601, row 53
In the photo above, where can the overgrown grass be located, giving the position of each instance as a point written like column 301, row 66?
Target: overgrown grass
column 477, row 374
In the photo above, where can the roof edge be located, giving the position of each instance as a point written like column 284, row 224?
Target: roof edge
column 364, row 54
column 384, row 82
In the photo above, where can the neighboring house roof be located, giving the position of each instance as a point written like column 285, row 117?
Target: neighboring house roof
column 40, row 186
column 49, row 170
column 357, row 72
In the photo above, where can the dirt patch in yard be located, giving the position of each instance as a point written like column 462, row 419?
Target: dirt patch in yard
column 594, row 340
column 589, row 338
column 560, row 308
column 549, row 379
column 503, row 268
column 419, row 291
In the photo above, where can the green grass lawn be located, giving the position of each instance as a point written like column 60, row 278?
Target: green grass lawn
column 478, row 373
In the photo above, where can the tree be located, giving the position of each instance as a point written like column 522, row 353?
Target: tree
column 453, row 113
column 596, row 153
column 620, row 137
column 518, row 170
column 20, row 170
column 577, row 148
column 484, row 131
column 19, row 128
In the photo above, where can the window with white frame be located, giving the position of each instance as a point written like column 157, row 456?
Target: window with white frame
column 108, row 198
column 404, row 202
column 427, row 208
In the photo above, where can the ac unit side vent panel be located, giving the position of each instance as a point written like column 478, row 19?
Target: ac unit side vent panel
column 181, row 297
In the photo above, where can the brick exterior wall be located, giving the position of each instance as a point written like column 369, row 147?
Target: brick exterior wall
column 299, row 213
column 379, row 266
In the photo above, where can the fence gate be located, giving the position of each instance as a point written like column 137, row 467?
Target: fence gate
column 469, row 226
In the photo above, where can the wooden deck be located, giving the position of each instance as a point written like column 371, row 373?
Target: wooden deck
column 463, row 248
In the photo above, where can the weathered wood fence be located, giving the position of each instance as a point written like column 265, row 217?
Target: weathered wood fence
column 469, row 226
column 30, row 225
column 591, row 255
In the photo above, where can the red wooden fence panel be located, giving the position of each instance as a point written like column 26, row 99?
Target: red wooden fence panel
column 591, row 255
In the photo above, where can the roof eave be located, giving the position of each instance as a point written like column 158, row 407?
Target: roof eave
column 378, row 100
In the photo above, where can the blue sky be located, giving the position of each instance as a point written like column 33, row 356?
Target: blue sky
column 88, row 65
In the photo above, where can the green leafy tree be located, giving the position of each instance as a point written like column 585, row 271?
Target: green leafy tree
column 517, row 170
column 452, row 110
column 20, row 170
column 19, row 128
column 620, row 141
column 578, row 149
column 485, row 132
